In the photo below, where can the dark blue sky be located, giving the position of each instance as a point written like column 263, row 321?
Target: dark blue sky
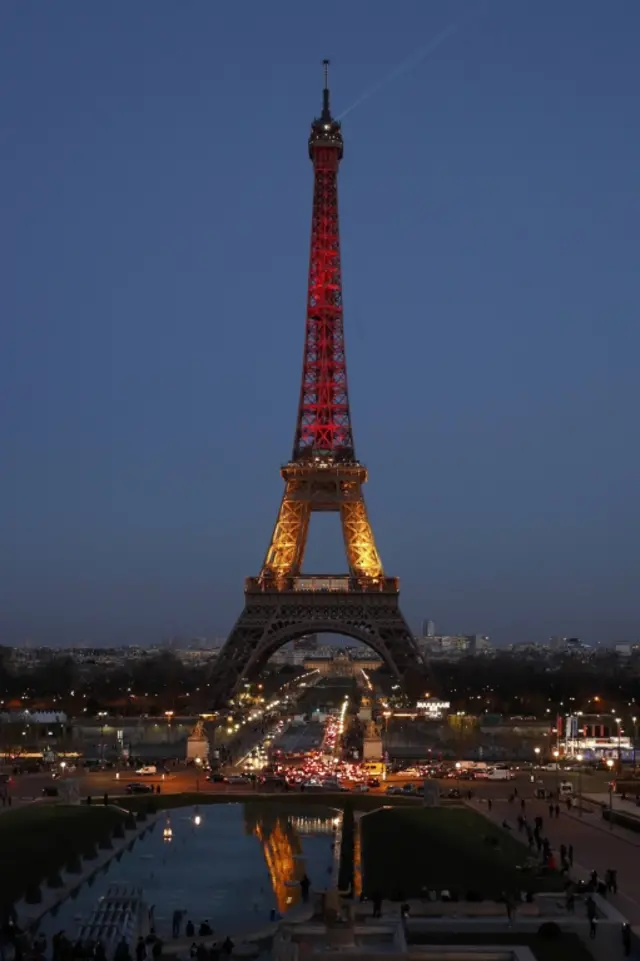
column 156, row 198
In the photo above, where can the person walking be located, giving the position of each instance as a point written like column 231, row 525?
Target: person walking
column 489, row 804
column 551, row 810
column 570, row 855
column 626, row 939
column 557, row 810
column 305, row 884
column 592, row 915
column 377, row 905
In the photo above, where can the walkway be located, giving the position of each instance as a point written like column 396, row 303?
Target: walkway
column 596, row 845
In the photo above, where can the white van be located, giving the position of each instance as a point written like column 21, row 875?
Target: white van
column 566, row 789
column 147, row 769
column 500, row 774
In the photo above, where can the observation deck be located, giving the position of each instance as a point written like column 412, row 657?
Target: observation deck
column 321, row 584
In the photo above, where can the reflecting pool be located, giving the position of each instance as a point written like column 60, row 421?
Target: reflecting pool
column 228, row 864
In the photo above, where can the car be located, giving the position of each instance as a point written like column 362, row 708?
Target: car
column 360, row 788
column 217, row 779
column 137, row 788
column 373, row 782
column 50, row 792
column 453, row 793
column 393, row 789
column 238, row 779
column 147, row 769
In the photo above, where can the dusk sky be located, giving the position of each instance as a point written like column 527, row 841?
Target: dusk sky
column 156, row 205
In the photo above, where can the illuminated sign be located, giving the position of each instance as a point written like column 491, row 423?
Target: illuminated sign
column 433, row 707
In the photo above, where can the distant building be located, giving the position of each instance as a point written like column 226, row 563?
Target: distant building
column 428, row 628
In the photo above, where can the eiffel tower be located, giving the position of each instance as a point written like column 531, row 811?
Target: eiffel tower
column 282, row 603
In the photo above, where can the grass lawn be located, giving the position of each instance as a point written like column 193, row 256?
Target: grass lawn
column 37, row 841
column 406, row 849
column 568, row 947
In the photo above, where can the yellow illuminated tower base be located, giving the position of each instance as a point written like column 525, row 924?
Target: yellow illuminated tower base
column 282, row 603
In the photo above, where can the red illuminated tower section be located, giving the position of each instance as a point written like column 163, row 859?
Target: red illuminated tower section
column 323, row 474
column 324, row 420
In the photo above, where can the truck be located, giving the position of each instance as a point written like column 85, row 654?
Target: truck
column 375, row 769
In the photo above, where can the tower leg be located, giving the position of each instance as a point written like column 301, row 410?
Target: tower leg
column 362, row 553
column 286, row 551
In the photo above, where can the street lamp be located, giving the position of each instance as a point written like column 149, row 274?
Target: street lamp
column 610, row 763
column 556, row 755
column 579, row 759
column 198, row 761
column 619, row 722
column 635, row 735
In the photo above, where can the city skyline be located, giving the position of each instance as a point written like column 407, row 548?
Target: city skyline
column 158, row 196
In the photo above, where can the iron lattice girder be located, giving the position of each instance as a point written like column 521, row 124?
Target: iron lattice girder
column 324, row 419
column 271, row 619
column 322, row 487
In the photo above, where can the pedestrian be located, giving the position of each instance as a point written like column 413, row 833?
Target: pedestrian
column 190, row 929
column 592, row 928
column 571, row 901
column 626, row 939
column 551, row 810
column 176, row 922
column 568, row 805
column 522, row 805
column 305, row 884
column 377, row 905
column 227, row 946
column 508, row 906
column 489, row 804
column 141, row 949
column 563, row 852
column 570, row 854
column 592, row 911
column 557, row 810
column 515, row 792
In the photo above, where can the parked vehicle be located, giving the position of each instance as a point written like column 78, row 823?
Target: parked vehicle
column 147, row 769
column 500, row 774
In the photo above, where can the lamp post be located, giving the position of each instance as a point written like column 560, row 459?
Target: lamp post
column 579, row 759
column 198, row 761
column 619, row 722
column 635, row 735
column 610, row 763
column 556, row 755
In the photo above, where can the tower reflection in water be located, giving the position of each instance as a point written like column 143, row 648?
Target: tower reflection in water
column 280, row 835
